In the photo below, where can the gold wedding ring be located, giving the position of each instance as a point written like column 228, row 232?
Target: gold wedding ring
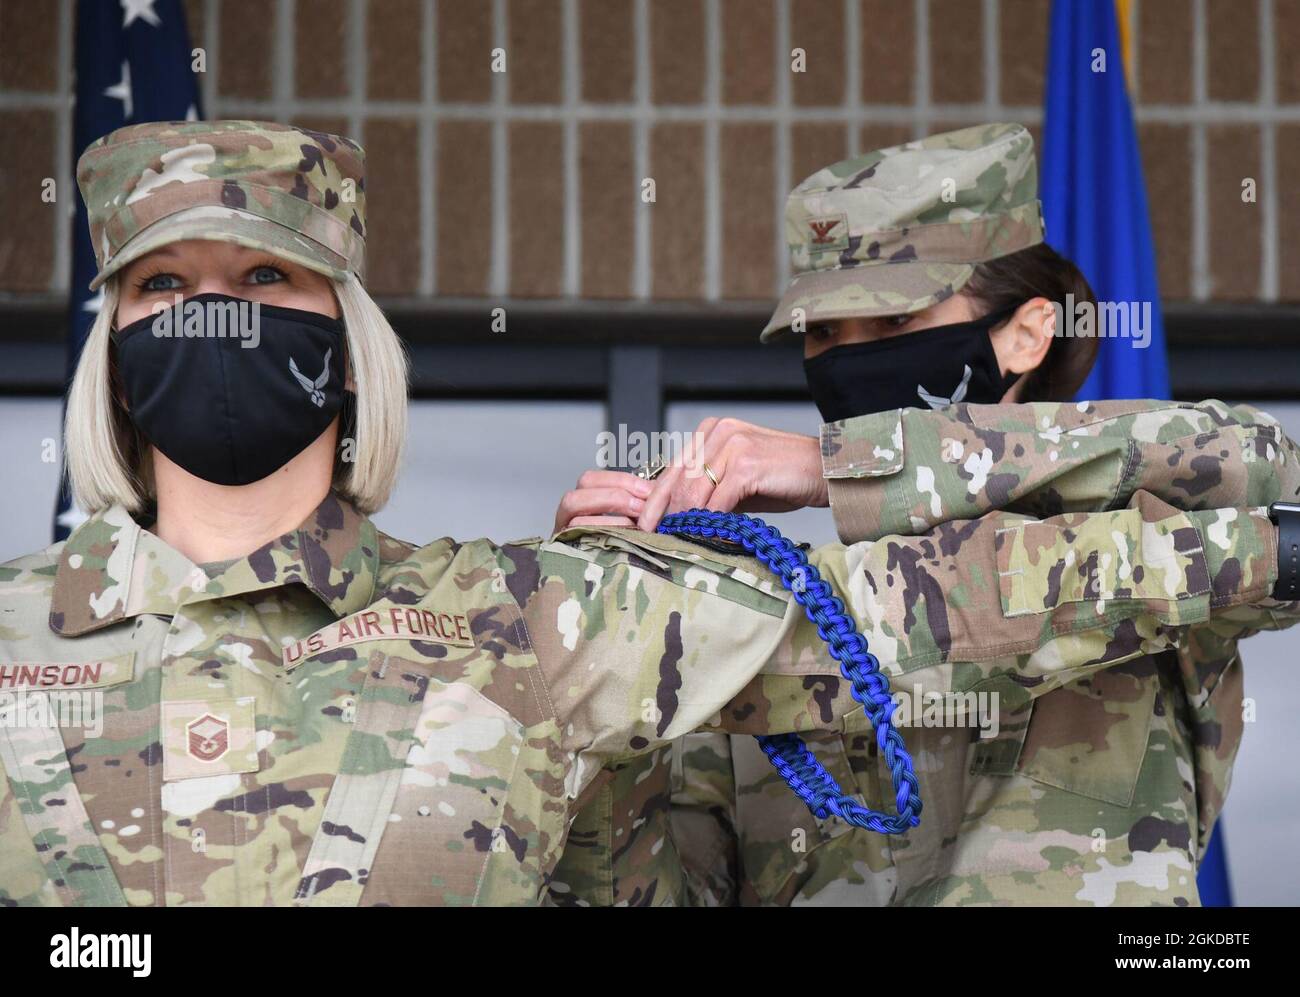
column 712, row 477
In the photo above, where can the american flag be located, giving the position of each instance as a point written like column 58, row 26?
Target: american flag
column 134, row 63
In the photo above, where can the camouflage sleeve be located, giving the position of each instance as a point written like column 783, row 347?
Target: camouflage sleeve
column 905, row 471
column 643, row 638
column 1020, row 606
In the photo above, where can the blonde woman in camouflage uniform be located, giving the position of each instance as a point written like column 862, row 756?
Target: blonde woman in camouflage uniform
column 1102, row 790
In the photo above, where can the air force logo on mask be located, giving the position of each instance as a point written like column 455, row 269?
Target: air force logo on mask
column 937, row 402
column 313, row 388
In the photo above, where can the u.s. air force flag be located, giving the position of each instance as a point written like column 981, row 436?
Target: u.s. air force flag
column 1095, row 201
column 133, row 63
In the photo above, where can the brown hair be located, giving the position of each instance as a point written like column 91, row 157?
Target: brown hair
column 1040, row 271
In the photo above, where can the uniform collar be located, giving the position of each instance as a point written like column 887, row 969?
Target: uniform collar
column 111, row 569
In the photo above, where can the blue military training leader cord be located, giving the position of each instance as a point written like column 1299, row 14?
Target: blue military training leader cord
column 870, row 687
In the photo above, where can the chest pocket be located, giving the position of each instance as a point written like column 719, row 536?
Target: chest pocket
column 423, row 781
column 454, row 808
column 1090, row 737
column 438, row 789
column 57, row 856
column 782, row 845
column 384, row 715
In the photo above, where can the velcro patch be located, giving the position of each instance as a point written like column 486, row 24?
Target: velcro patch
column 392, row 623
column 829, row 233
column 208, row 737
column 40, row 676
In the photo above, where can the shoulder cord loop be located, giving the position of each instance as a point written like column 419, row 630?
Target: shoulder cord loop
column 869, row 686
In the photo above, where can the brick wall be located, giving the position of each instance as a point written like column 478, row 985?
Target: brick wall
column 527, row 184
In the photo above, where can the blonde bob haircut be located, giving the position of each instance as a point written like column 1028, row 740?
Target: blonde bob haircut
column 107, row 458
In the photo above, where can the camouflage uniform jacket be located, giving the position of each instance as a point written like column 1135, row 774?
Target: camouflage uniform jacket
column 343, row 718
column 1141, row 760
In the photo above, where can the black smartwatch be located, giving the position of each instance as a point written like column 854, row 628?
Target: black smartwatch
column 1286, row 517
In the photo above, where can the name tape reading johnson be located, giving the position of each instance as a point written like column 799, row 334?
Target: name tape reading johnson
column 42, row 675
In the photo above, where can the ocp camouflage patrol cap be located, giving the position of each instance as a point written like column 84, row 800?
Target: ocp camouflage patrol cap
column 900, row 229
column 296, row 193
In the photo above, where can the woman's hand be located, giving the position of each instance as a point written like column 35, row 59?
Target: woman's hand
column 603, row 498
column 757, row 470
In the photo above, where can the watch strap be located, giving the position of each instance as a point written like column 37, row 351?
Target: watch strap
column 1286, row 516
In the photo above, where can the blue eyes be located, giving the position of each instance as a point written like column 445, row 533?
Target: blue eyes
column 259, row 275
column 266, row 275
column 159, row 282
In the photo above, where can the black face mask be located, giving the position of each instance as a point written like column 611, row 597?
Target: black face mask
column 229, row 393
column 935, row 367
